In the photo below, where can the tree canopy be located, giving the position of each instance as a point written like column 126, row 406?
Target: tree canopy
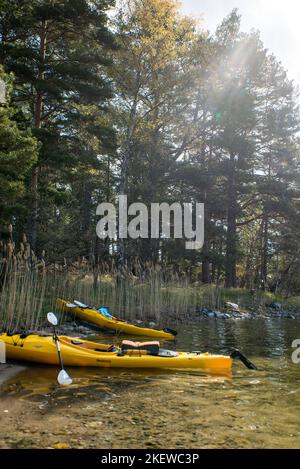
column 140, row 100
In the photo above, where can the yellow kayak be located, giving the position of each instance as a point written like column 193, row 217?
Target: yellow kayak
column 93, row 316
column 77, row 352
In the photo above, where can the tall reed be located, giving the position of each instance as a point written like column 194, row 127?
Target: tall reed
column 29, row 288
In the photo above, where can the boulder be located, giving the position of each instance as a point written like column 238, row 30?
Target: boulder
column 276, row 306
column 219, row 315
column 232, row 306
column 210, row 314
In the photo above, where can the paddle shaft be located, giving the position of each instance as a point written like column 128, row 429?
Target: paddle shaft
column 58, row 348
column 244, row 360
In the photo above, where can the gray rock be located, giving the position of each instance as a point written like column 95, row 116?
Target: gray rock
column 202, row 310
column 219, row 315
column 276, row 305
column 138, row 321
column 235, row 315
column 290, row 316
column 83, row 329
column 68, row 328
column 210, row 314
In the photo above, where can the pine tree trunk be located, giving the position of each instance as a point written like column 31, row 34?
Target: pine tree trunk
column 87, row 206
column 206, row 245
column 33, row 219
column 264, row 253
column 231, row 242
column 265, row 237
column 205, row 263
column 86, row 218
column 124, row 169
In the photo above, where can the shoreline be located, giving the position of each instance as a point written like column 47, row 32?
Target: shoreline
column 82, row 329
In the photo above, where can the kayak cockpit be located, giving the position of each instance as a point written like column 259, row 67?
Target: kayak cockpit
column 92, row 346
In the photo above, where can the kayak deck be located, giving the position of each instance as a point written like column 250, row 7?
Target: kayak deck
column 93, row 316
column 77, row 352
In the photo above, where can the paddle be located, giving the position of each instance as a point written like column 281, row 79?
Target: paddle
column 82, row 305
column 244, row 360
column 63, row 378
column 170, row 331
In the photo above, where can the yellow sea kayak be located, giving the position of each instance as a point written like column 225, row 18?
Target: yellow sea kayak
column 77, row 352
column 93, row 316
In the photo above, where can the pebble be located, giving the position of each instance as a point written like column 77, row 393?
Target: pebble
column 61, row 446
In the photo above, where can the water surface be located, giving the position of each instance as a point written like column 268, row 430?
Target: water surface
column 127, row 409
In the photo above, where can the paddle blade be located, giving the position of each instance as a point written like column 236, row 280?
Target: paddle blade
column 52, row 319
column 81, row 305
column 248, row 364
column 170, row 331
column 63, row 378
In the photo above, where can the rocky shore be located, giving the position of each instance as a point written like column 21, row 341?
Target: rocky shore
column 272, row 311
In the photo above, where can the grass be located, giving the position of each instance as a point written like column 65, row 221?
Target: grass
column 29, row 290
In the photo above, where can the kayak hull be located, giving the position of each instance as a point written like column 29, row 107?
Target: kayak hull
column 39, row 349
column 97, row 319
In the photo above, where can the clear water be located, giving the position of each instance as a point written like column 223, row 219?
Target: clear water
column 166, row 409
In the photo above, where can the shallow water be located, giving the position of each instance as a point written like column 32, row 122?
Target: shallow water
column 125, row 408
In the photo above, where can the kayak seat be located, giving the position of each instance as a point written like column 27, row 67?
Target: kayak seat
column 151, row 347
column 76, row 342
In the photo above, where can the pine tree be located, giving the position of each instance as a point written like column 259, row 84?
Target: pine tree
column 58, row 51
column 18, row 153
column 150, row 79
